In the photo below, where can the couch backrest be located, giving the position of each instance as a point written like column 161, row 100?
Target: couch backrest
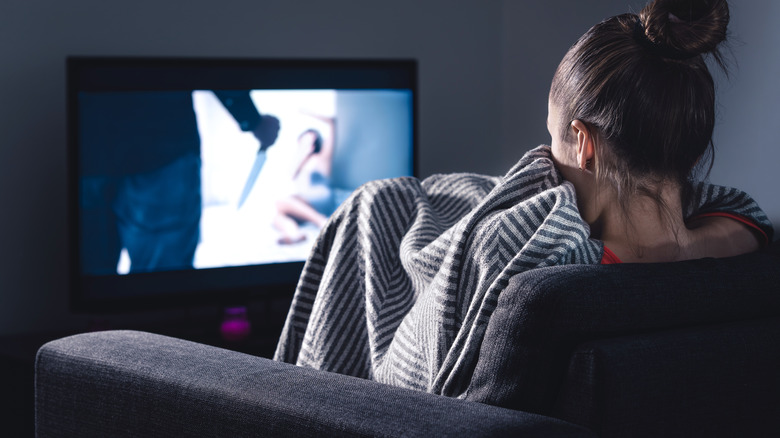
column 545, row 314
column 716, row 381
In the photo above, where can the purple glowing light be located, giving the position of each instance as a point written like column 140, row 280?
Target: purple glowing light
column 235, row 326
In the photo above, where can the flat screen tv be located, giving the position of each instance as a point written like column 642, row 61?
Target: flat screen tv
column 198, row 181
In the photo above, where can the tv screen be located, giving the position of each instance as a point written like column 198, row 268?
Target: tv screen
column 196, row 181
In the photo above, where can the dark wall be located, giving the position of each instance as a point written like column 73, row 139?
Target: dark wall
column 746, row 141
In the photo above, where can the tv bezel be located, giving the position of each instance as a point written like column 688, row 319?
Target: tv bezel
column 239, row 285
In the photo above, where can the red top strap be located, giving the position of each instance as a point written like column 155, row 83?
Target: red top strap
column 609, row 257
column 738, row 218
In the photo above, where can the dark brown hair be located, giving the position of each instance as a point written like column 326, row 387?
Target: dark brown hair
column 641, row 84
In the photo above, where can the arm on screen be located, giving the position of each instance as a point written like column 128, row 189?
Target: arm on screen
column 328, row 139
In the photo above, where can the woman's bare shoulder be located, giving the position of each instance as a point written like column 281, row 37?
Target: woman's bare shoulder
column 722, row 237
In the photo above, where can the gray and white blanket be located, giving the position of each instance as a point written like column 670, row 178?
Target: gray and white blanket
column 402, row 281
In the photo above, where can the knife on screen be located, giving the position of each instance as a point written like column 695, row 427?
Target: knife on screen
column 253, row 173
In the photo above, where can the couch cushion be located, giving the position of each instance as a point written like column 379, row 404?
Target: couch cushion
column 543, row 314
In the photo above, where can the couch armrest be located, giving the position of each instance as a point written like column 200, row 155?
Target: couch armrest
column 125, row 383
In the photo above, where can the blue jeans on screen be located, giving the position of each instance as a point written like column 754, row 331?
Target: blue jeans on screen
column 155, row 216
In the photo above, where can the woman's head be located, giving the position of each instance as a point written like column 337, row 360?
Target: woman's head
column 641, row 88
column 311, row 140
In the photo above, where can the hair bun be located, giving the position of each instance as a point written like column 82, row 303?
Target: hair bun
column 688, row 27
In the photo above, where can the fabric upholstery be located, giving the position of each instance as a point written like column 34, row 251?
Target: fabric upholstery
column 683, row 349
column 544, row 313
column 713, row 381
column 123, row 383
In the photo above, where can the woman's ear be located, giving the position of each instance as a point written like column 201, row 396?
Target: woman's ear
column 586, row 145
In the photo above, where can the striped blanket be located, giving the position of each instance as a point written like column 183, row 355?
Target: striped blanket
column 402, row 281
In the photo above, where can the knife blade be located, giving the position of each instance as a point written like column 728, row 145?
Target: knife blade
column 253, row 173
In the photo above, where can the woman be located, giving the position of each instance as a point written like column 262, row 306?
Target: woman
column 312, row 197
column 404, row 278
column 631, row 114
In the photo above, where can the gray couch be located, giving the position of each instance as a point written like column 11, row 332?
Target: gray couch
column 680, row 349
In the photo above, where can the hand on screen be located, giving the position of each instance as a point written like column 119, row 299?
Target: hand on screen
column 267, row 131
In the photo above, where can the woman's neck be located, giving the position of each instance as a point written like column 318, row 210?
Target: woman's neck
column 647, row 230
column 651, row 232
